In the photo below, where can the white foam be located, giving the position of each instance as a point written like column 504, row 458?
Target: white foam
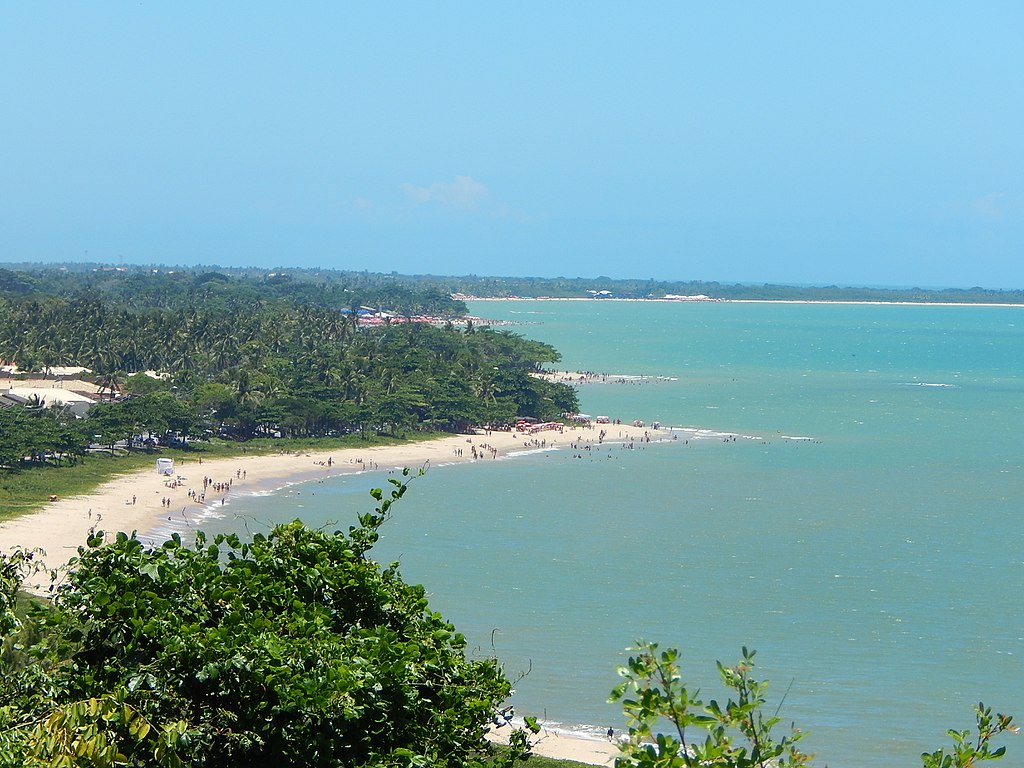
column 582, row 731
column 531, row 451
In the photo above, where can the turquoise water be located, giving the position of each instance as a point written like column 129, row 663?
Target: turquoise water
column 878, row 567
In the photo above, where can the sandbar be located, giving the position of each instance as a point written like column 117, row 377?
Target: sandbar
column 713, row 300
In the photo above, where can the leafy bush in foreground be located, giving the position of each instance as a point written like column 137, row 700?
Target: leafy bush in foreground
column 293, row 650
column 739, row 734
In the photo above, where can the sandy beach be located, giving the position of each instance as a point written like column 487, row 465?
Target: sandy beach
column 565, row 746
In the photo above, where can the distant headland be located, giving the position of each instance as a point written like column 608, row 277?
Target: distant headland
column 20, row 278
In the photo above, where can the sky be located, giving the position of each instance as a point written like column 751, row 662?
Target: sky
column 825, row 143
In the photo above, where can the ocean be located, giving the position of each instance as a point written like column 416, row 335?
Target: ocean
column 853, row 513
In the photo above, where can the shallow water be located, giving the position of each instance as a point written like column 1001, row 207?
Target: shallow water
column 877, row 566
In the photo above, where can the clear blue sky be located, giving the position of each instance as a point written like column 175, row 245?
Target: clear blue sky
column 873, row 143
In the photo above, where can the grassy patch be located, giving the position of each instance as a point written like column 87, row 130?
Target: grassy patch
column 216, row 449
column 536, row 761
column 29, row 490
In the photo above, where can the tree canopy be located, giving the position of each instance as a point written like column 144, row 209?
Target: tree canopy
column 245, row 358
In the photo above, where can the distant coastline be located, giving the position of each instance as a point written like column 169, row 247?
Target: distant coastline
column 712, row 300
column 442, row 295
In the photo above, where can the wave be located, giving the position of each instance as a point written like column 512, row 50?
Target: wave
column 695, row 433
column 577, row 731
column 531, row 451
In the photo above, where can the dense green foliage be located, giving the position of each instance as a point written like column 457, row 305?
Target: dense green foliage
column 390, row 379
column 32, row 435
column 241, row 358
column 431, row 294
column 739, row 733
column 295, row 649
column 174, row 288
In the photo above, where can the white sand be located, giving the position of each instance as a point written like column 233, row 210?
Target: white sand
column 564, row 746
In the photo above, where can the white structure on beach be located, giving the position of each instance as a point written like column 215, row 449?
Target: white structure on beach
column 50, row 397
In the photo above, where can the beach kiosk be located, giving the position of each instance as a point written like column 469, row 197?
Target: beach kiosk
column 165, row 466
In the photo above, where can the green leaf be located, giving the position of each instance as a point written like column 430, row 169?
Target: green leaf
column 152, row 570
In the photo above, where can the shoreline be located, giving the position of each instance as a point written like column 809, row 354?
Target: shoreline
column 141, row 501
column 581, row 378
